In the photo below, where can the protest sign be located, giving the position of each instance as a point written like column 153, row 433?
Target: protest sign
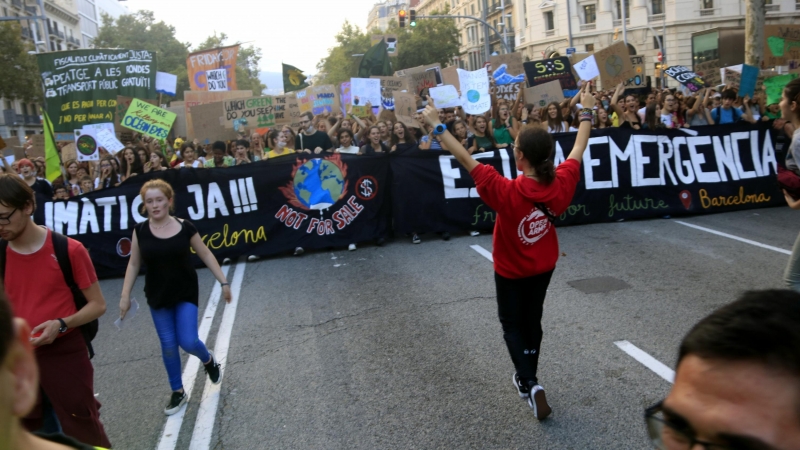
column 217, row 80
column 8, row 154
column 109, row 141
column 388, row 86
column 748, row 80
column 81, row 86
column 638, row 81
column 542, row 95
column 123, row 103
column 450, row 76
column 540, row 72
column 68, row 152
column 305, row 100
column 86, row 144
column 709, row 72
column 148, row 119
column 365, row 90
column 391, row 42
column 405, row 105
column 325, row 99
column 207, row 120
column 781, row 45
column 198, row 63
column 686, row 77
column 166, row 83
column 587, row 68
column 508, row 91
column 507, row 68
column 475, row 91
column 37, row 146
column 19, row 152
column 281, row 109
column 445, row 96
column 344, row 95
column 179, row 126
column 421, row 77
column 293, row 107
column 774, row 86
column 253, row 112
column 194, row 98
column 614, row 63
column 732, row 78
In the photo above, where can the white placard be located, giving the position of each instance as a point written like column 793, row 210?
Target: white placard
column 166, row 83
column 445, row 96
column 736, row 68
column 587, row 68
column 108, row 140
column 475, row 97
column 217, row 79
column 86, row 146
column 365, row 90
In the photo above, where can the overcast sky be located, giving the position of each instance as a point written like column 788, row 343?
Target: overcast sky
column 297, row 32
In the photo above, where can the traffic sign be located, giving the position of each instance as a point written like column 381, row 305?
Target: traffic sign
column 660, row 57
column 570, row 50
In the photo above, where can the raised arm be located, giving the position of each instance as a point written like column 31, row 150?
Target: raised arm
column 450, row 142
column 585, row 128
column 613, row 103
column 334, row 129
column 747, row 115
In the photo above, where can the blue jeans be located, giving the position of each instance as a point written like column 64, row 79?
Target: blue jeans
column 177, row 326
column 791, row 276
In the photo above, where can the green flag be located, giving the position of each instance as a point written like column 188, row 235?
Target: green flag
column 51, row 159
column 376, row 62
column 293, row 79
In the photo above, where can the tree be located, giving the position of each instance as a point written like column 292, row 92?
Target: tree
column 246, row 64
column 18, row 69
column 754, row 32
column 340, row 64
column 141, row 31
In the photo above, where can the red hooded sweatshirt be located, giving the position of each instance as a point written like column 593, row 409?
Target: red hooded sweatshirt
column 525, row 242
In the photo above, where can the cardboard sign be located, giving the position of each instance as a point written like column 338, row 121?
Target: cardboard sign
column 37, row 146
column 475, row 97
column 69, row 152
column 326, row 99
column 254, row 112
column 207, row 120
column 179, row 126
column 391, row 42
column 732, row 78
column 388, row 86
column 748, row 80
column 587, row 68
column 540, row 72
column 344, row 95
column 781, row 46
column 123, row 103
column 148, row 119
column 508, row 91
column 365, row 90
column 450, row 76
column 405, row 105
column 507, row 69
column 542, row 95
column 217, row 80
column 198, row 63
column 445, row 96
column 615, row 65
column 194, row 98
column 686, row 77
column 638, row 80
column 293, row 106
column 281, row 109
column 709, row 71
column 422, row 77
column 2, row 143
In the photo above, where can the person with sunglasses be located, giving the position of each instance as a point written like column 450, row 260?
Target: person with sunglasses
column 737, row 383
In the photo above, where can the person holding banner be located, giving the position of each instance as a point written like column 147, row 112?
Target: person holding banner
column 189, row 155
column 555, row 119
column 311, row 140
column 626, row 111
column 402, row 140
column 374, row 144
column 525, row 242
column 165, row 244
column 482, row 138
column 220, row 157
column 276, row 145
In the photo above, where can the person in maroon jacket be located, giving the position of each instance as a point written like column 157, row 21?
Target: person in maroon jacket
column 525, row 241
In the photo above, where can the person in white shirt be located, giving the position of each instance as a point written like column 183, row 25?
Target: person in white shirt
column 189, row 155
column 345, row 138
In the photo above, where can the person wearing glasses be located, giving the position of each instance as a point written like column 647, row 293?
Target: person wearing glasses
column 737, row 385
column 311, row 140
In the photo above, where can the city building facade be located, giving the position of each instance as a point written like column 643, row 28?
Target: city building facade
column 382, row 13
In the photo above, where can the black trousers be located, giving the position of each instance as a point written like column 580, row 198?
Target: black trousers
column 520, row 304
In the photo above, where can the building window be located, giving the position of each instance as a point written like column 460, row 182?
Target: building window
column 9, row 104
column 525, row 12
column 589, row 47
column 627, row 10
column 708, row 4
column 473, row 9
column 589, row 15
column 658, row 7
column 548, row 21
column 24, row 109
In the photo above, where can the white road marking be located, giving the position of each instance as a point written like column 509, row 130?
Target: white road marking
column 736, row 238
column 651, row 363
column 486, row 253
column 207, row 413
column 169, row 438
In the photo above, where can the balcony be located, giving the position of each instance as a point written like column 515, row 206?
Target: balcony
column 11, row 117
column 549, row 32
column 31, row 119
column 655, row 18
column 495, row 38
column 73, row 41
column 618, row 22
column 707, row 12
column 588, row 26
column 772, row 7
column 495, row 8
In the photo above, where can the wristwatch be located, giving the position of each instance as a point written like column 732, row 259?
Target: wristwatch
column 439, row 129
column 63, row 327
column 225, row 284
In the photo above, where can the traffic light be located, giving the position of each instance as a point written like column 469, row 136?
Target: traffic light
column 402, row 17
column 412, row 18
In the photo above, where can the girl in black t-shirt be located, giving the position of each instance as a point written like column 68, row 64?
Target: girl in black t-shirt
column 165, row 244
column 402, row 139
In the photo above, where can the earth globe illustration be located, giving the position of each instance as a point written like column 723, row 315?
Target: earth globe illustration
column 614, row 65
column 318, row 184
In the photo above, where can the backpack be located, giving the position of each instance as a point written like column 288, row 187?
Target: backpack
column 61, row 245
column 736, row 114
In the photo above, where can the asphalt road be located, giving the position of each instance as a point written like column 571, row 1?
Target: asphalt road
column 400, row 346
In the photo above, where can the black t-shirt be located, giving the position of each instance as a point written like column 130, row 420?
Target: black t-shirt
column 43, row 188
column 170, row 277
column 318, row 139
column 368, row 150
column 402, row 147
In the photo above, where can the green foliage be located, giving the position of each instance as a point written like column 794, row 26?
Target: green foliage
column 18, row 69
column 246, row 63
column 141, row 31
column 431, row 41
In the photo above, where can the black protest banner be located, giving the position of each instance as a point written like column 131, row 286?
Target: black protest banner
column 624, row 175
column 539, row 72
column 263, row 208
column 686, row 77
column 81, row 86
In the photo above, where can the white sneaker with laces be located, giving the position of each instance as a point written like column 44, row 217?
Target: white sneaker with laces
column 351, row 247
column 538, row 403
column 474, row 233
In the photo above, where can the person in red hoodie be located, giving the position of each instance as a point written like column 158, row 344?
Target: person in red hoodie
column 525, row 241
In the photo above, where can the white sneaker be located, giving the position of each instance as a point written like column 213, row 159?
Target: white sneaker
column 538, row 403
column 252, row 258
column 226, row 261
column 298, row 251
column 474, row 233
column 351, row 247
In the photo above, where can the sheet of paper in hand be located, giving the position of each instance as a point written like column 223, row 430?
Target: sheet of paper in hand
column 587, row 68
column 365, row 90
column 445, row 96
column 475, row 97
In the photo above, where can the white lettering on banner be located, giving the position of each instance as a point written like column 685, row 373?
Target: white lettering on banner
column 81, row 217
column 450, row 174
